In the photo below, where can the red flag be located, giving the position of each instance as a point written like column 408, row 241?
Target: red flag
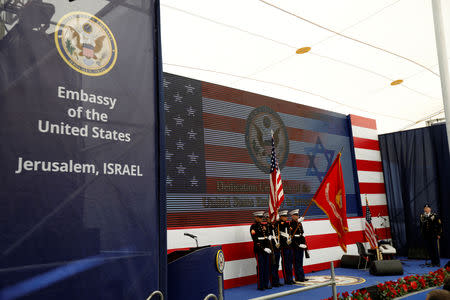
column 330, row 197
column 276, row 186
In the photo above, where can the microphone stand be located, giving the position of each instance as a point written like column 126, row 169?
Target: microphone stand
column 385, row 227
column 192, row 237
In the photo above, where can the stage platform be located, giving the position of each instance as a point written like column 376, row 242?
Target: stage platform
column 409, row 266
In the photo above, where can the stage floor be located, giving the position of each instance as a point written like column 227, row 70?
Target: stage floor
column 409, row 267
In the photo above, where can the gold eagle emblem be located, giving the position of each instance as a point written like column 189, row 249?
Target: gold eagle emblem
column 96, row 48
column 85, row 43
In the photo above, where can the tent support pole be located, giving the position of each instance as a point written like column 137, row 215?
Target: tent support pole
column 443, row 61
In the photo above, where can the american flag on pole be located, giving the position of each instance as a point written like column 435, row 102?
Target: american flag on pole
column 369, row 231
column 276, row 186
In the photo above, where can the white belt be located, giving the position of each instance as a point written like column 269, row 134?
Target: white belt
column 297, row 235
column 284, row 234
column 261, row 238
column 388, row 251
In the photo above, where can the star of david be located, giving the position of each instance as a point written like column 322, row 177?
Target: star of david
column 312, row 153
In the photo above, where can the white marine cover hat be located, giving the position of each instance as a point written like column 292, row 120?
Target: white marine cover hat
column 283, row 213
column 294, row 212
column 258, row 213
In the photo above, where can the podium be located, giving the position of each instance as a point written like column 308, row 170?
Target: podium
column 195, row 272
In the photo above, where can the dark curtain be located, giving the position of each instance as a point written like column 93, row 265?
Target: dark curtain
column 416, row 166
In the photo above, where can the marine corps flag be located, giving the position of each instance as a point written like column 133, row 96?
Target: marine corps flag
column 330, row 197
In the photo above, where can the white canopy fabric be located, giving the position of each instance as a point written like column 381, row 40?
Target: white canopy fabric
column 358, row 47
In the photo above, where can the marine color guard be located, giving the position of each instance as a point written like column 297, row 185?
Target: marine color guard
column 281, row 239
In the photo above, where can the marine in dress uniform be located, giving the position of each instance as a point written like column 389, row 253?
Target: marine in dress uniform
column 276, row 253
column 298, row 245
column 431, row 227
column 261, row 248
column 285, row 245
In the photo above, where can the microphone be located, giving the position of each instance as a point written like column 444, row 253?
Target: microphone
column 383, row 217
column 192, row 237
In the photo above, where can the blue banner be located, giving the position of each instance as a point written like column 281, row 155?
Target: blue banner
column 79, row 100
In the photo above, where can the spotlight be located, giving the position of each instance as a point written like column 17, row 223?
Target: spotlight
column 397, row 82
column 303, row 50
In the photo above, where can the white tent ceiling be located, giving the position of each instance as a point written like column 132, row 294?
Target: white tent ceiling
column 358, row 48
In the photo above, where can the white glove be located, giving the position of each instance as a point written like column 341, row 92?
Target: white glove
column 277, row 245
column 289, row 241
column 301, row 219
column 267, row 250
column 303, row 246
column 270, row 237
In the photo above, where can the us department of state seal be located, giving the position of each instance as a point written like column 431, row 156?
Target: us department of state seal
column 260, row 123
column 85, row 43
column 220, row 261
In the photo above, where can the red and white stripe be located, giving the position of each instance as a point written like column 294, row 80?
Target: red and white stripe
column 370, row 175
column 276, row 194
column 240, row 266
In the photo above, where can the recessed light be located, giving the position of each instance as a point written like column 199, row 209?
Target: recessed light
column 303, row 50
column 397, row 82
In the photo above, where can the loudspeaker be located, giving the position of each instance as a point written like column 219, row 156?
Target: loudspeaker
column 386, row 267
column 350, row 261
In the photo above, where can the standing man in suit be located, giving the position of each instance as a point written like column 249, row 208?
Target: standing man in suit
column 298, row 245
column 261, row 248
column 285, row 244
column 431, row 227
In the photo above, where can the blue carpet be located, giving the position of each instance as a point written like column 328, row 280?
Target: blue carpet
column 409, row 267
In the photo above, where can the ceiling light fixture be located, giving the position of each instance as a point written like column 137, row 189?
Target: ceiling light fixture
column 397, row 82
column 303, row 50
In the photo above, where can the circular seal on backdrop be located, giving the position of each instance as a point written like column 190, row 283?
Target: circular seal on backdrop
column 260, row 123
column 85, row 43
column 220, row 261
column 341, row 280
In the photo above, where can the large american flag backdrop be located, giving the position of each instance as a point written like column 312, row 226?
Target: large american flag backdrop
column 218, row 151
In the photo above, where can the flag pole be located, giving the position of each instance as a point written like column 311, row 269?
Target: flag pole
column 309, row 205
column 312, row 199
